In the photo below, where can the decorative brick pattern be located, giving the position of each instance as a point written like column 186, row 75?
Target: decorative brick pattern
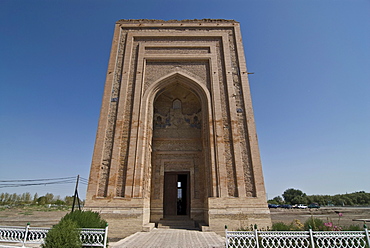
column 108, row 144
column 177, row 50
column 156, row 70
column 177, row 100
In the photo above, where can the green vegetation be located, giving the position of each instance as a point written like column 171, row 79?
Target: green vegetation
column 27, row 213
column 7, row 199
column 86, row 219
column 315, row 224
column 296, row 196
column 295, row 225
column 66, row 233
column 62, row 235
column 281, row 226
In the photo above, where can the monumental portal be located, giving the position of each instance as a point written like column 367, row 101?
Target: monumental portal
column 176, row 139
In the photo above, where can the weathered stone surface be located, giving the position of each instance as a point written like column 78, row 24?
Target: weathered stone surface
column 177, row 102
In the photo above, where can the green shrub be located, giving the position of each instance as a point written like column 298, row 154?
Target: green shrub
column 62, row 235
column 315, row 224
column 86, row 219
column 280, row 226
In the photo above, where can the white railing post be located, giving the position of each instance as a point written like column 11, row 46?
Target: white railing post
column 26, row 234
column 106, row 236
column 311, row 239
column 367, row 235
column 256, row 235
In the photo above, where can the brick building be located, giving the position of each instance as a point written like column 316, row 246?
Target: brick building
column 176, row 139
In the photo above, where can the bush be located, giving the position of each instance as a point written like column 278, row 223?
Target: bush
column 316, row 224
column 280, row 226
column 86, row 219
column 62, row 235
column 295, row 225
column 66, row 233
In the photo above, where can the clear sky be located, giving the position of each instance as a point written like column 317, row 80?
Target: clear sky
column 310, row 87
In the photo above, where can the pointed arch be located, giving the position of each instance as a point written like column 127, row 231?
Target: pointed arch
column 182, row 78
column 144, row 157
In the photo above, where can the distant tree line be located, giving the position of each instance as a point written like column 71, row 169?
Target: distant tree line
column 296, row 196
column 28, row 199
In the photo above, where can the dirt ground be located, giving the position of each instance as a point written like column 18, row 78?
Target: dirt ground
column 323, row 213
column 37, row 217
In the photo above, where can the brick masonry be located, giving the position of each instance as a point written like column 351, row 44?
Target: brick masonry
column 177, row 98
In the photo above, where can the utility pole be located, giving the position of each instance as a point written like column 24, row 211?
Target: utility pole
column 76, row 196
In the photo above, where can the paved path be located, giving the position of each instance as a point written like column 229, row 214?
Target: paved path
column 174, row 238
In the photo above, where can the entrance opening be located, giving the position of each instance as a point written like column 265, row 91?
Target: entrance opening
column 177, row 152
column 182, row 181
column 176, row 200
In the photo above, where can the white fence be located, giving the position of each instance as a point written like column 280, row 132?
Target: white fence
column 302, row 239
column 36, row 235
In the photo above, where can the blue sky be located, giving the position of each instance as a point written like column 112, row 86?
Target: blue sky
column 310, row 86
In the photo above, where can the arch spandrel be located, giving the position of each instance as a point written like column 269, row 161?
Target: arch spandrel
column 181, row 77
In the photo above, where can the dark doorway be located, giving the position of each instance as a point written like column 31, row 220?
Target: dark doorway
column 176, row 200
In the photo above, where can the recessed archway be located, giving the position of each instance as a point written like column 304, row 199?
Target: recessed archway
column 179, row 164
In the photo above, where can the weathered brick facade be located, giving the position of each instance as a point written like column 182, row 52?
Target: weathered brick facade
column 177, row 101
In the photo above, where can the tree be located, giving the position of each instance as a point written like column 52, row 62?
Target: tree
column 300, row 200
column 49, row 197
column 14, row 198
column 68, row 200
column 26, row 198
column 2, row 198
column 42, row 200
column 276, row 200
column 6, row 198
column 59, row 202
column 35, row 197
column 294, row 196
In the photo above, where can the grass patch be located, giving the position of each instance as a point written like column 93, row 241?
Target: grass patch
column 27, row 213
column 45, row 208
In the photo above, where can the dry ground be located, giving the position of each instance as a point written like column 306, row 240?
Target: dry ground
column 44, row 217
column 324, row 213
column 36, row 216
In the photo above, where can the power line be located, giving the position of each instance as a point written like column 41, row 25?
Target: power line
column 38, row 182
column 35, row 184
column 84, row 181
column 32, row 180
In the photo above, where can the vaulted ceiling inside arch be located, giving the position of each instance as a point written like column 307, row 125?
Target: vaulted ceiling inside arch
column 190, row 102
